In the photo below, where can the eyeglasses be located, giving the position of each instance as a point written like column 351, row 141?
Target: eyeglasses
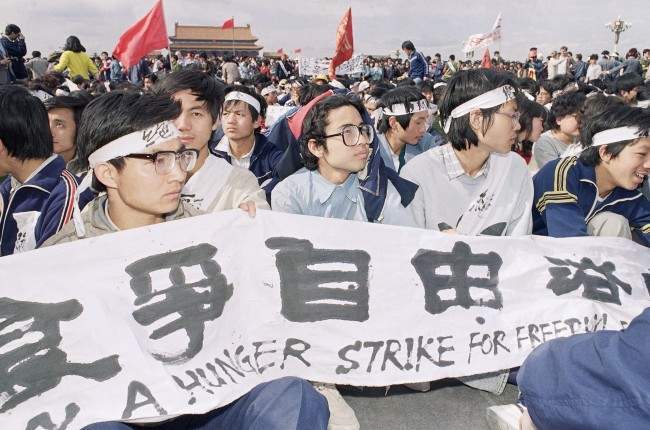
column 351, row 134
column 165, row 161
column 514, row 117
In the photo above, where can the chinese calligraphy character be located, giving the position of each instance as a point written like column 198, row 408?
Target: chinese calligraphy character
column 32, row 368
column 309, row 294
column 459, row 261
column 561, row 282
column 194, row 302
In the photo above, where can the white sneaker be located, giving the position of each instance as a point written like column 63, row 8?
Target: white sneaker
column 342, row 416
column 504, row 417
column 422, row 387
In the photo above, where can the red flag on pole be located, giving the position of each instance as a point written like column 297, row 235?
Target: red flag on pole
column 344, row 43
column 280, row 51
column 146, row 35
column 486, row 62
column 229, row 23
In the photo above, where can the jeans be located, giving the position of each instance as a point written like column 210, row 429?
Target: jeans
column 287, row 403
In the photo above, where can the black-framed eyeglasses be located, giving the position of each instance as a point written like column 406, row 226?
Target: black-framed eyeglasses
column 351, row 134
column 165, row 161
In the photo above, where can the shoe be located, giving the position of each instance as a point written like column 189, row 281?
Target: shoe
column 422, row 387
column 504, row 417
column 342, row 416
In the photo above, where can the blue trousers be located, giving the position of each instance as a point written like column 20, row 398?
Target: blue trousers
column 287, row 403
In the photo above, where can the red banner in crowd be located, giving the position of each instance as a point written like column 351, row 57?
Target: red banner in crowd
column 146, row 35
column 344, row 43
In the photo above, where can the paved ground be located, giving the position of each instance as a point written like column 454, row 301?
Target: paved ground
column 449, row 405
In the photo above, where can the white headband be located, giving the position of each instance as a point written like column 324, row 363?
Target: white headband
column 619, row 134
column 133, row 143
column 439, row 84
column 492, row 98
column 400, row 108
column 243, row 97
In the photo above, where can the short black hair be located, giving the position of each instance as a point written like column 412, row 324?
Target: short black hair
column 310, row 91
column 36, row 54
column 246, row 90
column 528, row 85
column 464, row 86
column 12, row 28
column 75, row 102
column 627, row 82
column 202, row 85
column 407, row 44
column 116, row 114
column 72, row 43
column 24, row 126
column 566, row 104
column 593, row 106
column 612, row 117
column 315, row 123
column 529, row 110
column 399, row 95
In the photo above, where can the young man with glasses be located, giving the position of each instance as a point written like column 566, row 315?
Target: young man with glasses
column 136, row 157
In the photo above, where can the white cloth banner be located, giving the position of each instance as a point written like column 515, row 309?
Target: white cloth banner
column 480, row 40
column 309, row 66
column 191, row 314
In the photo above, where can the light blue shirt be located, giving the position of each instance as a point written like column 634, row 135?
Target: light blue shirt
column 391, row 160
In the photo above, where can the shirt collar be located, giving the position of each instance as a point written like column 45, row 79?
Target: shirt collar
column 15, row 183
column 224, row 146
column 324, row 189
column 453, row 166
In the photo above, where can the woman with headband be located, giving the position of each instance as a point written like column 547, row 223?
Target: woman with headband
column 596, row 194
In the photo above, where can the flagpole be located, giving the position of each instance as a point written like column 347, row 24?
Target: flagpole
column 233, row 36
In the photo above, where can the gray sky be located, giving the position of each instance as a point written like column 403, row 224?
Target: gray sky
column 380, row 26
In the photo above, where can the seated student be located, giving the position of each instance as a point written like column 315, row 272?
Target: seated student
column 597, row 193
column 139, row 162
column 242, row 144
column 599, row 380
column 627, row 86
column 402, row 125
column 37, row 196
column 64, row 113
column 335, row 149
column 213, row 184
column 531, row 121
column 564, row 122
column 474, row 185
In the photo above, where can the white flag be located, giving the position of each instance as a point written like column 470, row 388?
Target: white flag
column 481, row 40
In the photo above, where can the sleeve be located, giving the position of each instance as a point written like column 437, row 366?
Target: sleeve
column 522, row 222
column 284, row 200
column 619, row 67
column 543, row 152
column 590, row 381
column 249, row 191
column 417, row 206
column 56, row 212
column 92, row 68
column 63, row 62
column 639, row 217
column 558, row 203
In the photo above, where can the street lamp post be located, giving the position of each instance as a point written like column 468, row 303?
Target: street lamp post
column 617, row 27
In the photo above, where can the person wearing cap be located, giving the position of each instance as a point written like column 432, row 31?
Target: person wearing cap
column 402, row 125
column 596, row 193
column 37, row 196
column 242, row 144
column 139, row 163
column 213, row 184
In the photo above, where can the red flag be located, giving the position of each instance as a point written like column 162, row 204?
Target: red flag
column 297, row 50
column 144, row 36
column 229, row 23
column 280, row 51
column 344, row 43
column 486, row 63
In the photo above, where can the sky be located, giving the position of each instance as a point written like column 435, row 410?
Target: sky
column 380, row 26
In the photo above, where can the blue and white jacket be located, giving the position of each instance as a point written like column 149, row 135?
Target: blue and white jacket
column 565, row 200
column 418, row 67
column 37, row 209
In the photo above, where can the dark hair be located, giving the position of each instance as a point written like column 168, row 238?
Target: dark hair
column 24, row 126
column 407, row 44
column 612, row 117
column 152, row 77
column 36, row 54
column 116, row 114
column 316, row 121
column 529, row 85
column 464, row 86
column 579, row 57
column 566, row 104
column 452, row 57
column 426, row 87
column 593, row 57
column 75, row 102
column 593, row 106
column 251, row 109
column 401, row 95
column 201, row 84
column 310, row 92
column 72, row 43
column 627, row 82
column 12, row 28
column 528, row 111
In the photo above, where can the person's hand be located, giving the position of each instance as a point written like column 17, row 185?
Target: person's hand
column 5, row 61
column 249, row 207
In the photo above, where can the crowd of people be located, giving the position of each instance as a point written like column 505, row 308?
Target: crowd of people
column 550, row 146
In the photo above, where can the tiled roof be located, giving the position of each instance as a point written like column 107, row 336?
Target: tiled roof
column 198, row 32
